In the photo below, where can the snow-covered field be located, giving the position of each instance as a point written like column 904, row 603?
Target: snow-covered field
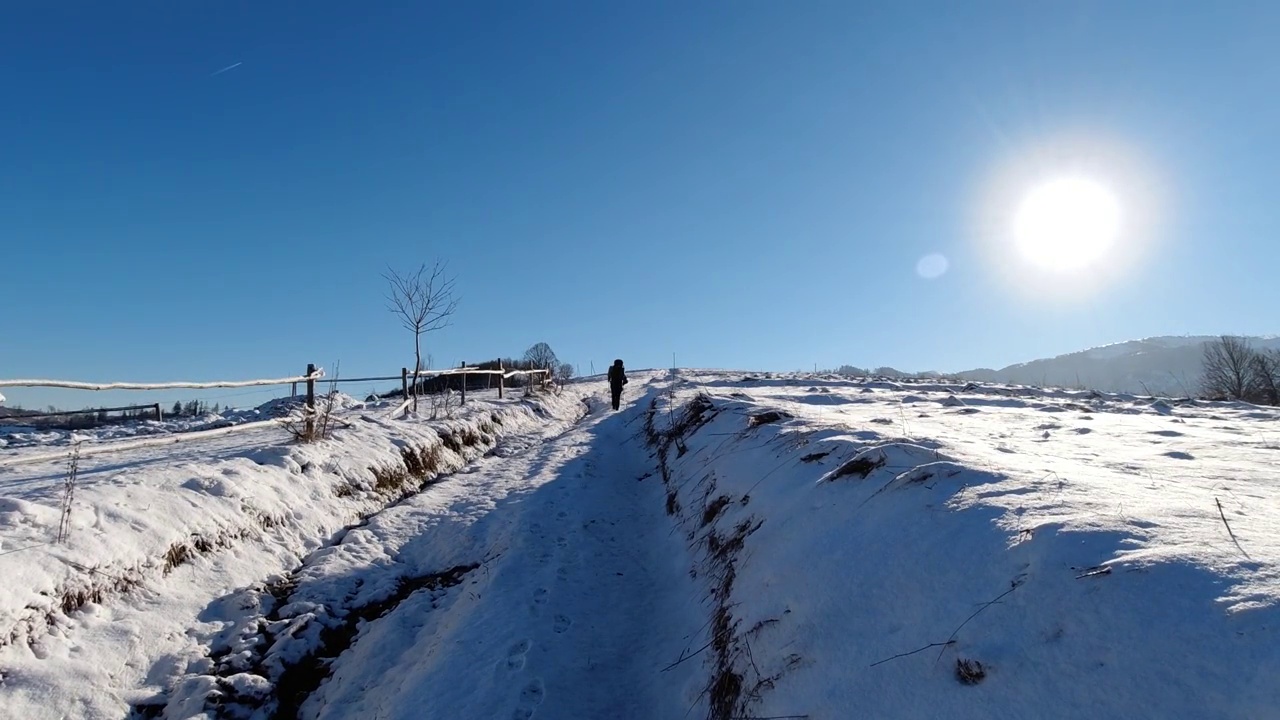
column 16, row 437
column 728, row 545
column 907, row 551
column 159, row 536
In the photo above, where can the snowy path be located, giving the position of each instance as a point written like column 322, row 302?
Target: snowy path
column 587, row 603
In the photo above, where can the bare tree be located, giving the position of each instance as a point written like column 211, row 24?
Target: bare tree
column 541, row 357
column 565, row 373
column 423, row 301
column 1228, row 368
column 1266, row 376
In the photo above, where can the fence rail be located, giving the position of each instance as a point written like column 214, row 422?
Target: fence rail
column 410, row 391
column 106, row 448
column 428, row 374
column 72, row 385
column 310, row 377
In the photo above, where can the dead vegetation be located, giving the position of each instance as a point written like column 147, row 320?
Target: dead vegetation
column 69, row 493
column 767, row 417
column 860, row 467
column 714, row 508
column 814, row 457
column 736, row 681
column 970, row 672
column 312, row 424
column 98, row 585
column 421, row 462
column 301, row 678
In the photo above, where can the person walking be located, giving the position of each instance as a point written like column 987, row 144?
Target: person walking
column 617, row 378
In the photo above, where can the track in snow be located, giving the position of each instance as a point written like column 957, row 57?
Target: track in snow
column 588, row 602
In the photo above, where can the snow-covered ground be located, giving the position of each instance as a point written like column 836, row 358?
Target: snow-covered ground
column 728, row 545
column 16, row 436
column 157, row 535
column 907, row 551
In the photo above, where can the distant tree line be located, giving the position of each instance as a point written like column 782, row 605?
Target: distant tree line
column 97, row 417
column 193, row 408
column 1235, row 370
column 893, row 373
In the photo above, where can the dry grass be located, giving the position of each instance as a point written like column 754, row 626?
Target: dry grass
column 970, row 672
column 859, row 467
column 814, row 457
column 422, row 462
column 767, row 417
column 389, row 479
column 714, row 508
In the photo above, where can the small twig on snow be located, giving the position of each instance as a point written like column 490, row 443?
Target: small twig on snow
column 913, row 652
column 690, row 656
column 1001, row 596
column 1223, row 515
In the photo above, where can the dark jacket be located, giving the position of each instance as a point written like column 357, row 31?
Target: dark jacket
column 617, row 376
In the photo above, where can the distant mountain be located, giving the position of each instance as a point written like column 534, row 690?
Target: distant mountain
column 1167, row 365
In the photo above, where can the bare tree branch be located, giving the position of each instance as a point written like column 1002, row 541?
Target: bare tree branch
column 1228, row 368
column 1266, row 376
column 541, row 357
column 913, row 652
column 423, row 301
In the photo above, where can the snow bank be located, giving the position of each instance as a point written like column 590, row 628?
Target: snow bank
column 226, row 511
column 918, row 556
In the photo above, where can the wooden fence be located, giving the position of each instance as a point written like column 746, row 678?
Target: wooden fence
column 309, row 378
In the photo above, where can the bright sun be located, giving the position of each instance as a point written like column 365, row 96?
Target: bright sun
column 1067, row 224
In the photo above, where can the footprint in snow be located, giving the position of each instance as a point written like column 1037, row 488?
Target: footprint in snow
column 1178, row 455
column 561, row 624
column 516, row 655
column 530, row 698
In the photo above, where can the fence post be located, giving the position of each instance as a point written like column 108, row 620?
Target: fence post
column 293, row 389
column 311, row 399
column 464, row 383
column 156, row 407
column 404, row 384
column 502, row 379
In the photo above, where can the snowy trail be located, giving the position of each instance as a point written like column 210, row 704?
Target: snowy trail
column 586, row 605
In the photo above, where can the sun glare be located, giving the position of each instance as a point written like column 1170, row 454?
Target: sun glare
column 1067, row 224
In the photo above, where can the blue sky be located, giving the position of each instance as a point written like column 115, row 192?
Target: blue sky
column 745, row 184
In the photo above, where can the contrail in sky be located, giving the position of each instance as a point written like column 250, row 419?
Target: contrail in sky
column 229, row 67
